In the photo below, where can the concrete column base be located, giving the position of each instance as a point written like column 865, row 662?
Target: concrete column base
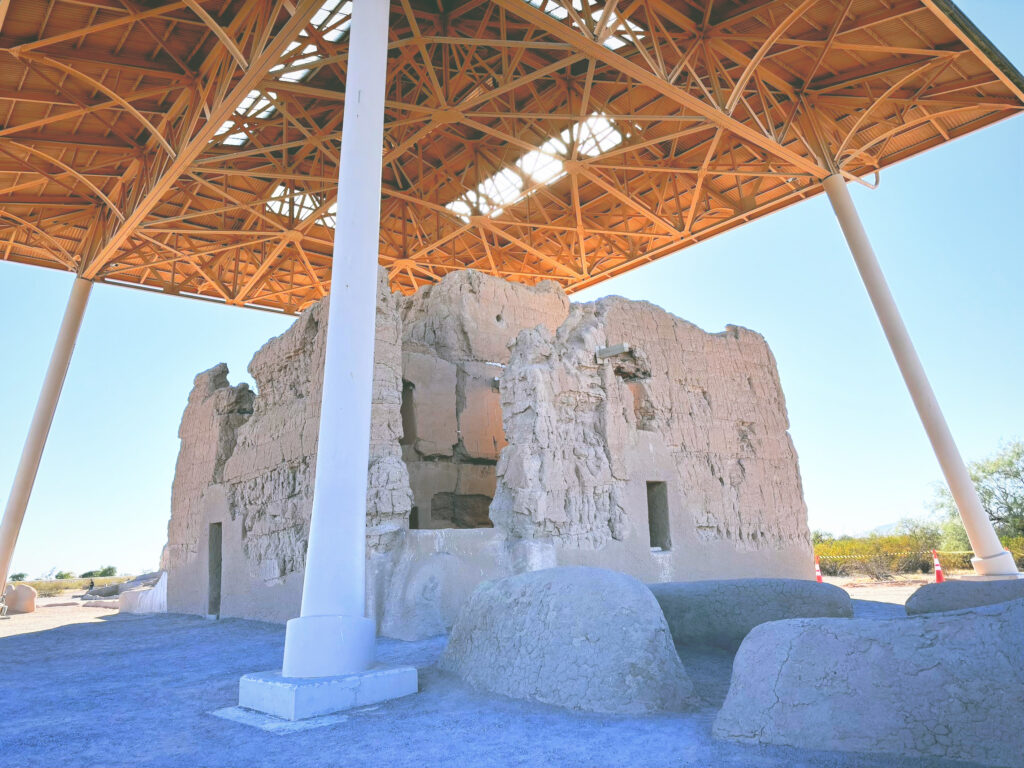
column 993, row 577
column 1000, row 564
column 328, row 646
column 299, row 698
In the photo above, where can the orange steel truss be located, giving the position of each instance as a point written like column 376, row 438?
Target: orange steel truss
column 191, row 147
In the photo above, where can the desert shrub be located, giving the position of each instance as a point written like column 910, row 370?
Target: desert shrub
column 64, row 575
column 1016, row 546
column 878, row 566
column 834, row 567
column 957, row 560
column 954, row 537
column 881, row 557
column 51, row 588
column 17, row 576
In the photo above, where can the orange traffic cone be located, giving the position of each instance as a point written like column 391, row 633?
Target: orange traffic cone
column 939, row 576
column 817, row 569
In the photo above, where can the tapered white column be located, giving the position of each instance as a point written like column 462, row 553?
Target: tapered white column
column 332, row 636
column 32, row 453
column 990, row 557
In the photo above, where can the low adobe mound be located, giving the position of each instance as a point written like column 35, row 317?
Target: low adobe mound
column 957, row 595
column 721, row 613
column 20, row 598
column 581, row 638
column 944, row 685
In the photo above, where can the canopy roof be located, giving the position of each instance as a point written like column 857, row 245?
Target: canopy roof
column 192, row 147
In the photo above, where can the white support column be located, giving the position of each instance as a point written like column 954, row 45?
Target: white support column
column 990, row 557
column 332, row 636
column 32, row 453
column 329, row 649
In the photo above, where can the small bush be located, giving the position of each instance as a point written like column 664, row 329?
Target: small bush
column 878, row 566
column 64, row 575
column 17, row 577
column 833, row 567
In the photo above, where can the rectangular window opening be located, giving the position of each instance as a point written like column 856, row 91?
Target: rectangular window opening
column 213, row 608
column 657, row 517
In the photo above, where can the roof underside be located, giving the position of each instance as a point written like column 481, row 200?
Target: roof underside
column 191, row 147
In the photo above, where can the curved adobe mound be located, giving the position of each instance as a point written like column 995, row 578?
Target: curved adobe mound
column 581, row 638
column 957, row 595
column 722, row 612
column 945, row 685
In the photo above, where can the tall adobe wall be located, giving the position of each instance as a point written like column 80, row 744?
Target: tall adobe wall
column 510, row 432
column 208, row 429
column 247, row 461
column 247, row 464
column 637, row 441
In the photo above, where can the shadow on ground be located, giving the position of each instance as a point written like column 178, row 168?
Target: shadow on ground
column 137, row 691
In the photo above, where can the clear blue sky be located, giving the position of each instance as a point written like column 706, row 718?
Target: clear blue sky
column 946, row 226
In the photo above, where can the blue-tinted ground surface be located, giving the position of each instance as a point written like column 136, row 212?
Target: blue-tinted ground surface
column 137, row 691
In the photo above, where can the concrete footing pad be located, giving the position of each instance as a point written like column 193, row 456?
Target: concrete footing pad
column 276, row 725
column 299, row 698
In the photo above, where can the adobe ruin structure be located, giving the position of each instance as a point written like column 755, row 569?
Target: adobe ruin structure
column 511, row 430
column 539, row 139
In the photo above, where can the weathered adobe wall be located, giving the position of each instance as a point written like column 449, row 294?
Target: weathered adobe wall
column 702, row 413
column 455, row 338
column 248, row 463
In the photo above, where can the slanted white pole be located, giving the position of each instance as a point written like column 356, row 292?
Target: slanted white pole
column 32, row 453
column 990, row 557
column 332, row 635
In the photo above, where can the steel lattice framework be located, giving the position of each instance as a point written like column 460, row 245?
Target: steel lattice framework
column 192, row 147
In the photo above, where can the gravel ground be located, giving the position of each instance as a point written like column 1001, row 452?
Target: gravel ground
column 53, row 612
column 112, row 690
column 896, row 591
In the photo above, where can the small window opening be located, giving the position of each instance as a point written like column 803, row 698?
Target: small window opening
column 657, row 517
column 213, row 607
column 408, row 412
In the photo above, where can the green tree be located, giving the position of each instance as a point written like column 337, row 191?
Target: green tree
column 924, row 533
column 1000, row 483
column 64, row 575
column 105, row 571
column 954, row 536
column 819, row 536
column 18, row 576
